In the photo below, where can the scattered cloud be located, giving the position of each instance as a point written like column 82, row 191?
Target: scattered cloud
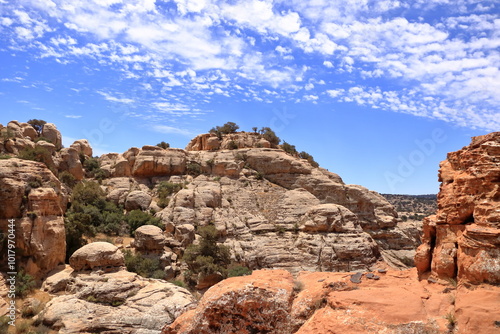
column 436, row 59
column 73, row 116
column 171, row 130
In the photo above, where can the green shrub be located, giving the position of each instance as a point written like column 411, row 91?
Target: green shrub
column 207, row 257
column 238, row 270
column 68, row 179
column 4, row 156
column 90, row 213
column 270, row 136
column 6, row 133
column 24, row 284
column 38, row 153
column 4, row 324
column 290, row 149
column 144, row 266
column 193, row 169
column 37, row 124
column 138, row 218
column 309, row 158
column 178, row 283
column 163, row 145
column 91, row 164
column 166, row 188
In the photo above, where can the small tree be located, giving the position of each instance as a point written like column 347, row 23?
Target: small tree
column 229, row 127
column 163, row 145
column 207, row 257
column 37, row 124
column 309, row 158
column 288, row 148
column 270, row 135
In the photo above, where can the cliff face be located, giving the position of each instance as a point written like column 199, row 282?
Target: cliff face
column 272, row 209
column 35, row 199
column 463, row 239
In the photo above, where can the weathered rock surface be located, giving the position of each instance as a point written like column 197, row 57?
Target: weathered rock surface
column 117, row 302
column 277, row 211
column 34, row 198
column 259, row 303
column 210, row 141
column 149, row 238
column 50, row 132
column 463, row 239
column 137, row 200
column 97, row 255
column 321, row 303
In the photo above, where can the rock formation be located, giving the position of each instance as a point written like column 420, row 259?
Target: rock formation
column 271, row 301
column 115, row 302
column 35, row 199
column 463, row 239
column 97, row 255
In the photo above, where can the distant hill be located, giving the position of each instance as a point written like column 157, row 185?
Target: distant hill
column 414, row 207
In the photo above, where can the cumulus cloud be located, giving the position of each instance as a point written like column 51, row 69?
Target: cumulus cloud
column 443, row 63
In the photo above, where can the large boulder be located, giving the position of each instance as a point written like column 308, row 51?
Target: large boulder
column 462, row 240
column 260, row 303
column 82, row 146
column 137, row 200
column 97, row 255
column 149, row 238
column 50, row 132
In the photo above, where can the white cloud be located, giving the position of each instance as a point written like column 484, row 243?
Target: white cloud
column 328, row 64
column 171, row 130
column 109, row 97
column 73, row 116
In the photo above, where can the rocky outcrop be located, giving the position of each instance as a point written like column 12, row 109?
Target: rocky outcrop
column 276, row 211
column 210, row 142
column 463, row 239
column 116, row 302
column 271, row 301
column 260, row 303
column 50, row 132
column 33, row 197
column 97, row 255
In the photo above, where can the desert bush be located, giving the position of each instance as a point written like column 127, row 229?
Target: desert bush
column 309, row 158
column 178, row 283
column 270, row 136
column 163, row 145
column 207, row 257
column 232, row 145
column 25, row 284
column 38, row 153
column 138, row 218
column 68, row 179
column 6, row 133
column 4, row 324
column 36, row 182
column 193, row 169
column 144, row 266
column 43, row 139
column 238, row 270
column 288, row 148
column 90, row 213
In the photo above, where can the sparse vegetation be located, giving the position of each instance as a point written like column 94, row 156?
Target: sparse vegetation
column 288, row 148
column 309, row 158
column 166, row 189
column 43, row 139
column 144, row 266
column 38, row 153
column 232, row 145
column 207, row 257
column 298, row 286
column 452, row 320
column 238, row 270
column 68, row 179
column 25, row 284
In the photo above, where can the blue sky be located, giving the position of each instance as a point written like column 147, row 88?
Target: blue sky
column 376, row 91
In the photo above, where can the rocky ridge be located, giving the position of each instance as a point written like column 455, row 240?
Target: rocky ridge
column 462, row 241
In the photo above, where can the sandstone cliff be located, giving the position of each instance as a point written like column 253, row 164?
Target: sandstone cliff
column 35, row 199
column 463, row 239
column 272, row 209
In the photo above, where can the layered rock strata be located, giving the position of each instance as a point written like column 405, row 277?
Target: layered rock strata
column 463, row 239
